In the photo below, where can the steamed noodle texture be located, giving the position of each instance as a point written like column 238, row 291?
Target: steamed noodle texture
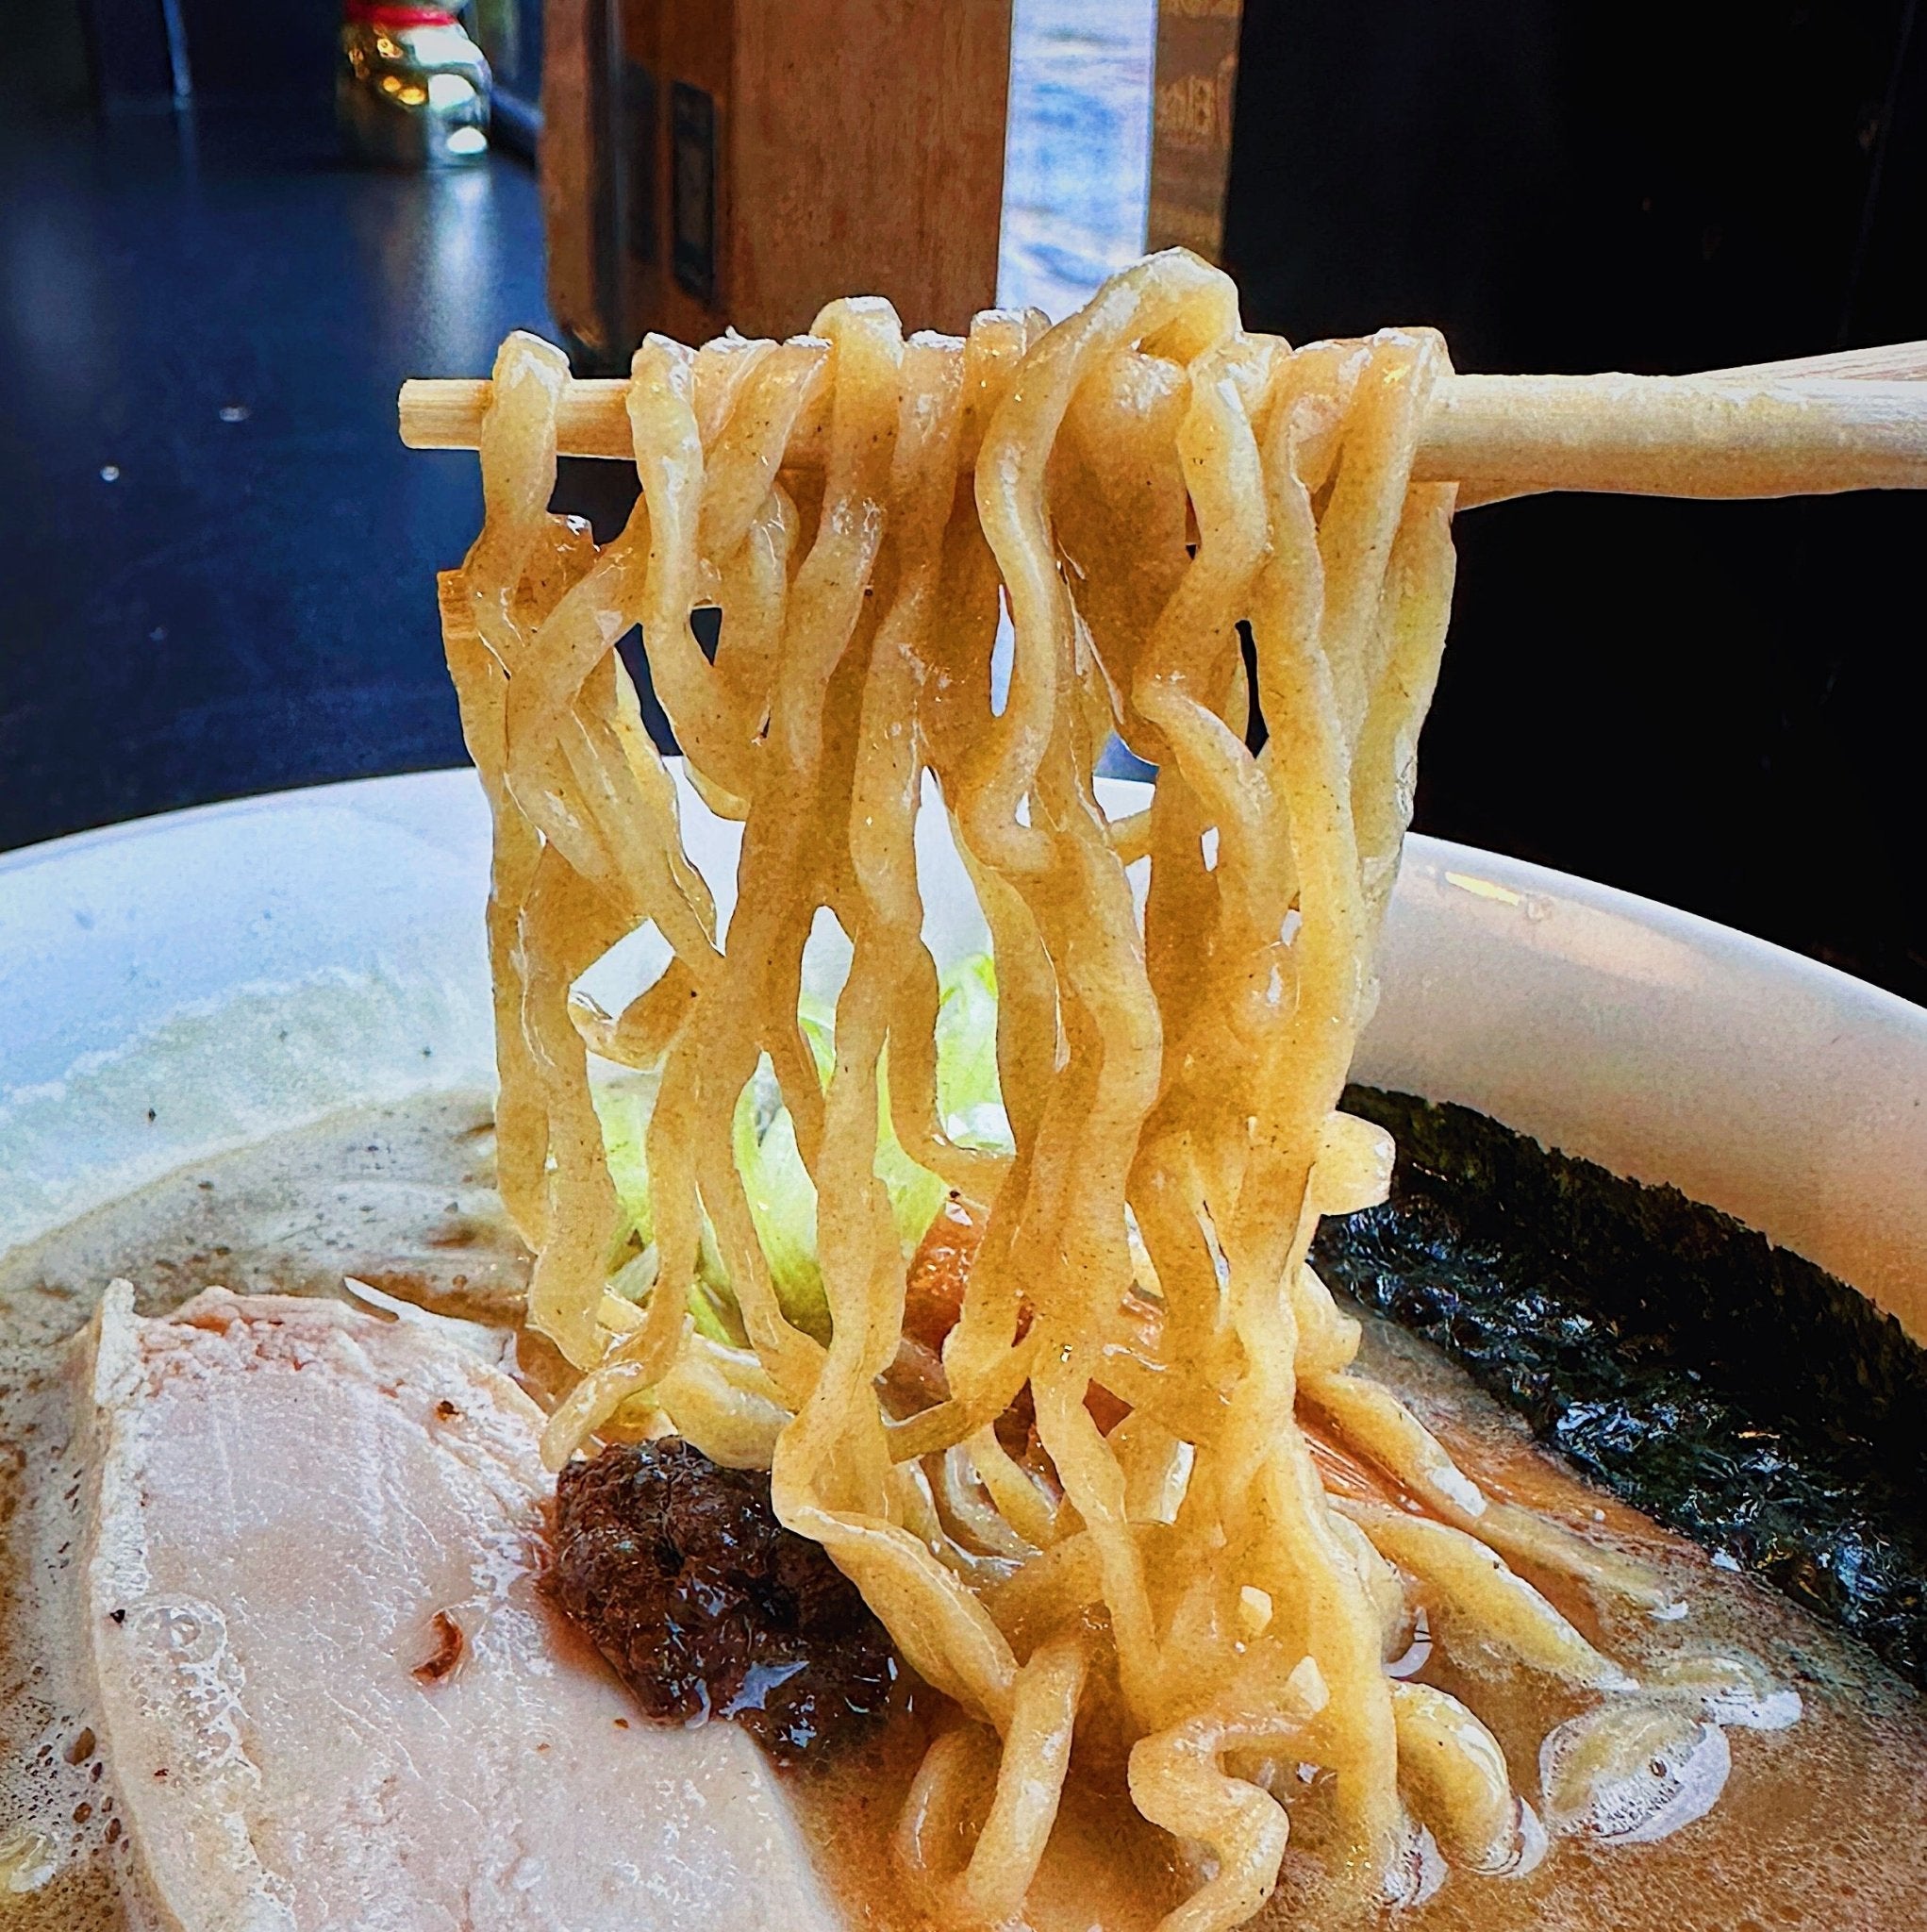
column 1204, row 1547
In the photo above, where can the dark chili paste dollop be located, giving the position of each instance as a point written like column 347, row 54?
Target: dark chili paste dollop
column 706, row 1606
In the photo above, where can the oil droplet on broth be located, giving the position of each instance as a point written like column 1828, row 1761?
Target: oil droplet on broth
column 27, row 1860
column 1631, row 1772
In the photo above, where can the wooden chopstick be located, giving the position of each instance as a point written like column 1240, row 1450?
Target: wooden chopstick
column 1891, row 362
column 1702, row 455
column 1853, row 421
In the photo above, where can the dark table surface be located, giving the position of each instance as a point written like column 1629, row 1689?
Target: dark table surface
column 217, row 566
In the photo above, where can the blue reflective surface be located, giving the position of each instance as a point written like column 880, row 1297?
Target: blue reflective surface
column 218, row 557
column 1077, row 158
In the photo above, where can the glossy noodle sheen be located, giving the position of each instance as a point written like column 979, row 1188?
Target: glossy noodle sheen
column 1214, row 1583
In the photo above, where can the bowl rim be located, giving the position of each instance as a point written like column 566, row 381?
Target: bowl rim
column 1654, row 1040
column 1439, row 855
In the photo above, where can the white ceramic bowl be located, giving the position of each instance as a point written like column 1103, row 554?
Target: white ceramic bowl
column 189, row 982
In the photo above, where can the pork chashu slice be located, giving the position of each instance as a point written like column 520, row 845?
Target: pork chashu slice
column 301, row 1513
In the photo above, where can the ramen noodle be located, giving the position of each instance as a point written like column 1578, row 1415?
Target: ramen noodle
column 1208, row 1546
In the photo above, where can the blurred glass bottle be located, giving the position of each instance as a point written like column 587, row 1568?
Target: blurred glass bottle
column 411, row 90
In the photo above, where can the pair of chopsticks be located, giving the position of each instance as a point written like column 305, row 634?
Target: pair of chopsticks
column 1851, row 421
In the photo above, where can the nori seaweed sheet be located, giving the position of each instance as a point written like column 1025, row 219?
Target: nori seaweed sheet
column 1720, row 1384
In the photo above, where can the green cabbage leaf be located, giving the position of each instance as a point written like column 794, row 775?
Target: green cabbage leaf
column 782, row 1196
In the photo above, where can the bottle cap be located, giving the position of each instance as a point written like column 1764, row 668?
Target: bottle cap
column 384, row 13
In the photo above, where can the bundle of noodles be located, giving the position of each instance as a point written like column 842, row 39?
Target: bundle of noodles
column 1182, row 1553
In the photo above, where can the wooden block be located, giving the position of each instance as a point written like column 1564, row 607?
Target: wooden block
column 1191, row 134
column 683, row 52
column 764, row 156
column 572, row 160
column 869, row 156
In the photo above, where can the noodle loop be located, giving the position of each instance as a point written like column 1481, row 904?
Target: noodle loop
column 1143, row 1473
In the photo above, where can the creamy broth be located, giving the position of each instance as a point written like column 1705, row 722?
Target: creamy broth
column 1822, row 1825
